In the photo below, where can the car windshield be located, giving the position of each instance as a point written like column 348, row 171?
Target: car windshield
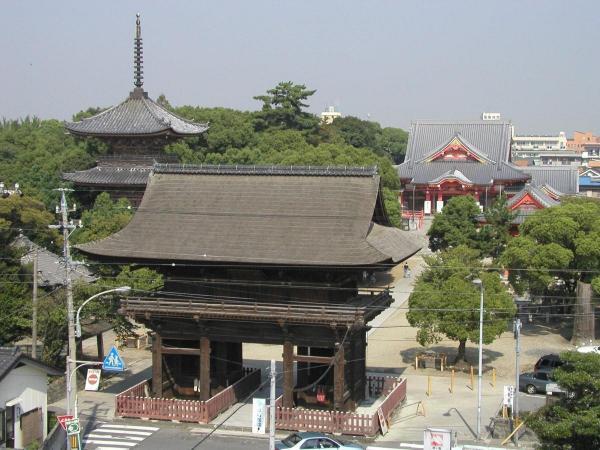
column 291, row 440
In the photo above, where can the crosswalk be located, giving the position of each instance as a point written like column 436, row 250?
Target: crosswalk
column 110, row 436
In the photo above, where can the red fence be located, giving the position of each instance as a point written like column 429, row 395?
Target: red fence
column 298, row 419
column 134, row 403
column 417, row 216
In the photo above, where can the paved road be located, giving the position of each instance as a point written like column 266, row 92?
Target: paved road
column 117, row 436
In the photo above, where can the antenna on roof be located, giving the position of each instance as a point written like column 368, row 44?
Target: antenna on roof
column 137, row 54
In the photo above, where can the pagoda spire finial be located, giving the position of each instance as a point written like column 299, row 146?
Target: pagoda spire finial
column 137, row 54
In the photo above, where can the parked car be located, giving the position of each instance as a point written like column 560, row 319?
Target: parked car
column 547, row 363
column 534, row 382
column 589, row 349
column 302, row 440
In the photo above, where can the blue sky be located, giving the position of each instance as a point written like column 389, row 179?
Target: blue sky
column 536, row 62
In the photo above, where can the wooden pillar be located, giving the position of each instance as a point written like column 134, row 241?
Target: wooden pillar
column 157, row 366
column 100, row 346
column 338, row 378
column 204, row 368
column 288, row 374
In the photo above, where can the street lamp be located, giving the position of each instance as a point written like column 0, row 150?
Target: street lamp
column 122, row 290
column 72, row 383
column 478, row 282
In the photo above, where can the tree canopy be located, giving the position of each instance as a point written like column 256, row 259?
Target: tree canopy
column 573, row 423
column 283, row 108
column 445, row 302
column 455, row 225
column 558, row 245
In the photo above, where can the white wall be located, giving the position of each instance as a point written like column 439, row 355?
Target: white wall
column 31, row 386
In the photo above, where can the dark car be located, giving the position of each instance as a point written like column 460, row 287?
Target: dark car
column 302, row 440
column 547, row 363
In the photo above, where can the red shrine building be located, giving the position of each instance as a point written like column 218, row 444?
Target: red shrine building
column 135, row 133
column 445, row 159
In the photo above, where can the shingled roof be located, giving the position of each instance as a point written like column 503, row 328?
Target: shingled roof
column 488, row 141
column 138, row 115
column 564, row 179
column 11, row 357
column 314, row 216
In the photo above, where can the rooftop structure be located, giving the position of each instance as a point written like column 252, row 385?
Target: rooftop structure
column 457, row 158
column 491, row 116
column 136, row 131
column 260, row 254
column 330, row 115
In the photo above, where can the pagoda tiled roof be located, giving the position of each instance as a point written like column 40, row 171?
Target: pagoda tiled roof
column 138, row 115
column 114, row 176
column 537, row 193
column 253, row 215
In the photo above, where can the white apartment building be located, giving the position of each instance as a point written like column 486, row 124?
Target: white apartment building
column 531, row 147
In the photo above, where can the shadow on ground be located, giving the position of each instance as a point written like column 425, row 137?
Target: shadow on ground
column 471, row 354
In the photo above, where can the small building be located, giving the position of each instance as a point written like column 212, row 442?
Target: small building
column 23, row 398
column 580, row 139
column 270, row 255
column 327, row 117
column 136, row 132
column 589, row 183
column 446, row 159
column 530, row 146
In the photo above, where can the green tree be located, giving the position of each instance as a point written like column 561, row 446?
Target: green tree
column 455, row 225
column 495, row 234
column 573, row 423
column 393, row 141
column 445, row 302
column 283, row 108
column 19, row 214
column 556, row 246
column 105, row 218
column 357, row 132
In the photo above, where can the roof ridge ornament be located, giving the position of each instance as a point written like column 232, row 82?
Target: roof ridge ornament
column 138, row 54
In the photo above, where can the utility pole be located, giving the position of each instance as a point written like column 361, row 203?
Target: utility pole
column 517, row 331
column 34, row 306
column 66, row 228
column 272, row 408
column 479, row 282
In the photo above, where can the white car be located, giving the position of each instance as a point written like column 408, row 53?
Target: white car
column 589, row 349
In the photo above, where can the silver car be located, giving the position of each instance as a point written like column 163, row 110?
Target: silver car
column 308, row 440
column 534, row 382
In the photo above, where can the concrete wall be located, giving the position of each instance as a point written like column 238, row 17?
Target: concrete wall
column 30, row 385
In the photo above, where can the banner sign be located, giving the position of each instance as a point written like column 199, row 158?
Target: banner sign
column 259, row 415
column 92, row 380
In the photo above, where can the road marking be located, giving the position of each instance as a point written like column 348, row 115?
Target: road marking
column 119, row 431
column 110, row 436
column 111, row 448
column 129, row 427
column 97, row 441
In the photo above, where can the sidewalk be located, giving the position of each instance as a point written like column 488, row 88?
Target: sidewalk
column 101, row 404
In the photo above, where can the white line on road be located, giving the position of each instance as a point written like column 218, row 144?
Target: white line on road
column 111, row 448
column 97, row 441
column 119, row 431
column 130, row 427
column 110, row 436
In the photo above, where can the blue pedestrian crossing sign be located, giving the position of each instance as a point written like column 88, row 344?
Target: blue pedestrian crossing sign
column 113, row 361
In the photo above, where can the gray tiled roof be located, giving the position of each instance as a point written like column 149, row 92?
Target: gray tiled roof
column 241, row 216
column 51, row 267
column 114, row 176
column 564, row 179
column 138, row 115
column 492, row 138
column 10, row 357
column 477, row 173
column 535, row 192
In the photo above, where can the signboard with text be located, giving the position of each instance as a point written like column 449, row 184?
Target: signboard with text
column 92, row 379
column 259, row 415
column 437, row 439
column 509, row 395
